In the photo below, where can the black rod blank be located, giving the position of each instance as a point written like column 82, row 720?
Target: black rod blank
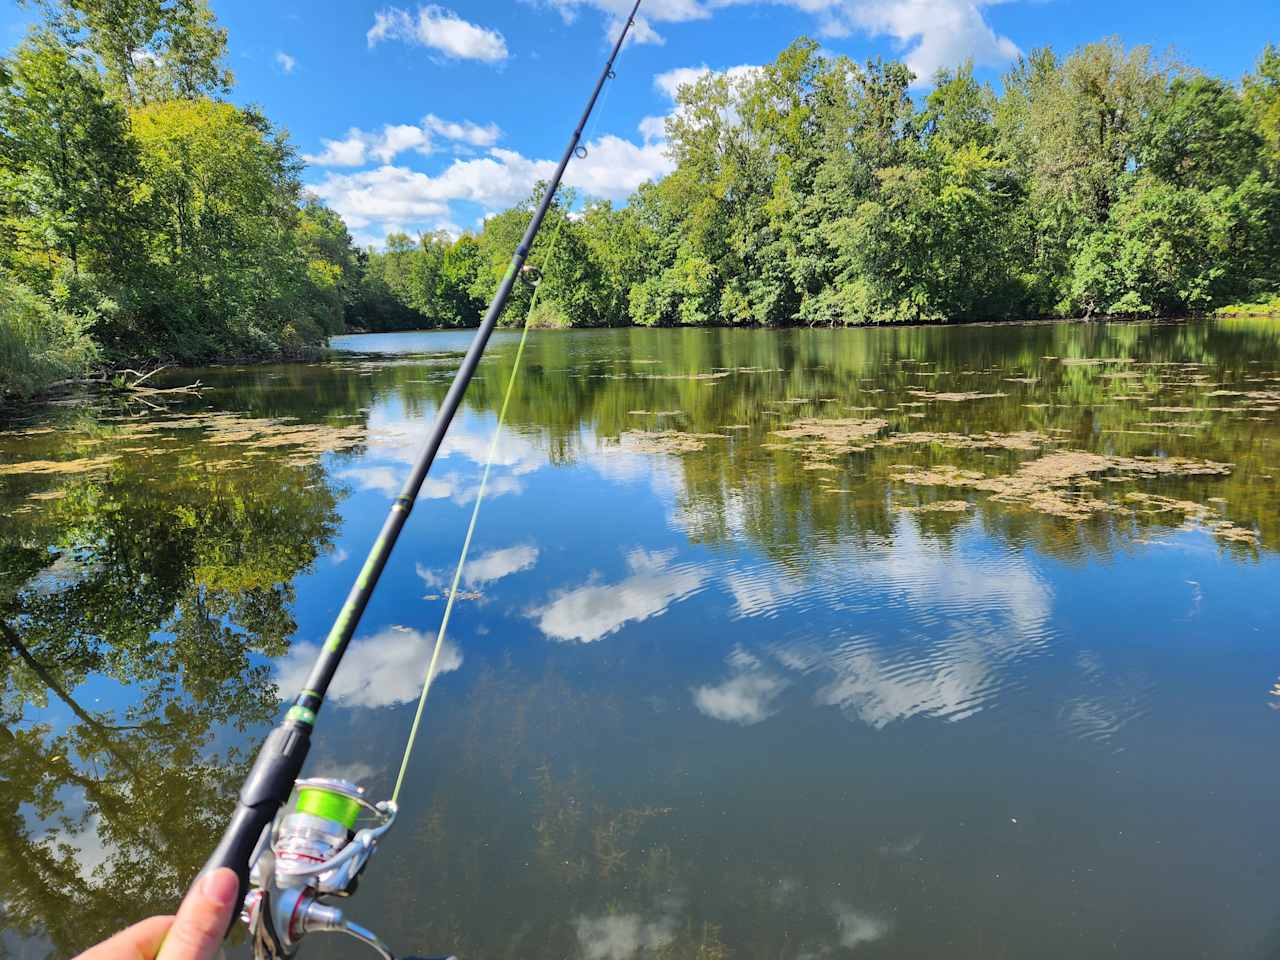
column 280, row 760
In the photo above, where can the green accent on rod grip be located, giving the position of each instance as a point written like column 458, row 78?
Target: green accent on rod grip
column 301, row 715
column 332, row 806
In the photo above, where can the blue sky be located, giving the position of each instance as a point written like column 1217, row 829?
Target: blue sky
column 423, row 117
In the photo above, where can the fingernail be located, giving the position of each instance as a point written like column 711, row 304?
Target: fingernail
column 221, row 886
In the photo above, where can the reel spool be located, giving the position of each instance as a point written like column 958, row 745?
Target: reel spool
column 312, row 853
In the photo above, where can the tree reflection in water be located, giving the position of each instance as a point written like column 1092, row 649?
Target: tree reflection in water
column 138, row 609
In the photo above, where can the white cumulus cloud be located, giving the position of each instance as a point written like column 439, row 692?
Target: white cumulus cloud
column 930, row 33
column 387, row 194
column 285, row 62
column 463, row 131
column 439, row 29
column 940, row 33
column 669, row 82
column 654, row 11
column 612, row 169
column 359, row 147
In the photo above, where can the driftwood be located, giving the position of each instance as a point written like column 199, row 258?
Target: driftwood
column 118, row 381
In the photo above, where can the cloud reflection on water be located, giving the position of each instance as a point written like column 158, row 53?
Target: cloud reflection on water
column 620, row 936
column 856, row 927
column 395, row 441
column 377, row 671
column 496, row 564
column 596, row 610
column 958, row 621
column 451, row 486
column 746, row 697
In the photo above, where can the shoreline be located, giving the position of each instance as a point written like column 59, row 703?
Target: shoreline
column 101, row 379
column 1034, row 321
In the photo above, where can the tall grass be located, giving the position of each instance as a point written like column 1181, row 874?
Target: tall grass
column 39, row 343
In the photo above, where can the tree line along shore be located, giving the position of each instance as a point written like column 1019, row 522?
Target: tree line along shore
column 145, row 218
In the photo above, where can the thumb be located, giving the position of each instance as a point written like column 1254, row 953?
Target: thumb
column 203, row 918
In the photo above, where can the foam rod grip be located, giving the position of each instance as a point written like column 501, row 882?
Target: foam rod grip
column 265, row 790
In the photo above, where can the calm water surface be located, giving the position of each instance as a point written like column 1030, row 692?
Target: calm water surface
column 883, row 643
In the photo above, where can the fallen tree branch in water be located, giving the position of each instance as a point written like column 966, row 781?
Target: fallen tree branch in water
column 116, row 381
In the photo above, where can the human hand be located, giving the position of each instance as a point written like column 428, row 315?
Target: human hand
column 194, row 934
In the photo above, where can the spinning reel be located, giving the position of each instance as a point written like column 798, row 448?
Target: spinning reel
column 309, row 855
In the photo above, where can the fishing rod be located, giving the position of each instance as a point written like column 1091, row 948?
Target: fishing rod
column 287, row 869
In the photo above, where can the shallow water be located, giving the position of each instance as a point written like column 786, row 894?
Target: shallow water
column 878, row 643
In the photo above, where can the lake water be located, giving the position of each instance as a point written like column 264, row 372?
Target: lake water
column 878, row 643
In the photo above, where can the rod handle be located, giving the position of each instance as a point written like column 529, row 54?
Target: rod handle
column 265, row 790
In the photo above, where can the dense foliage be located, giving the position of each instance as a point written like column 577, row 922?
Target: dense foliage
column 143, row 217
column 817, row 190
column 139, row 216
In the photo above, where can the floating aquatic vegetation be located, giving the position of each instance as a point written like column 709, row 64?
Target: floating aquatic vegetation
column 57, row 494
column 1194, row 410
column 955, row 397
column 829, row 437
column 1026, row 440
column 226, row 429
column 1146, row 433
column 1045, row 484
column 943, row 475
column 1193, row 513
column 655, row 413
column 459, row 595
column 27, row 432
column 81, row 465
column 939, row 506
column 684, row 376
column 1091, row 361
column 663, row 441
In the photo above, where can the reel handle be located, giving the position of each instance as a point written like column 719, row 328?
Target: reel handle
column 265, row 790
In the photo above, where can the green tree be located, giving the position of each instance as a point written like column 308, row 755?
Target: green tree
column 334, row 268
column 459, row 270
column 1262, row 100
column 1200, row 136
column 222, row 193
column 959, row 110
column 149, row 49
column 68, row 169
column 569, row 292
